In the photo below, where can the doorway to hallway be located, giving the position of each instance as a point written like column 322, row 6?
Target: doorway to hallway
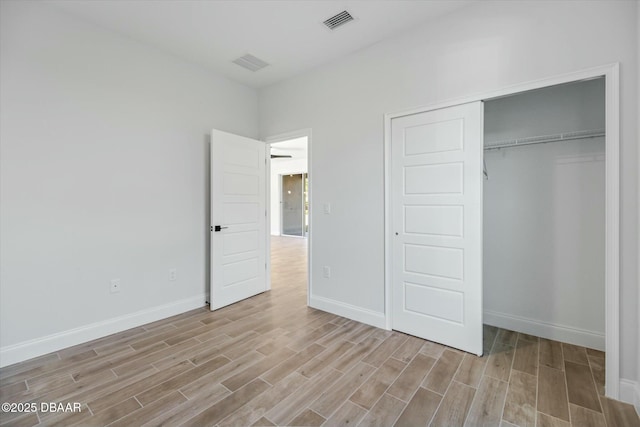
column 290, row 213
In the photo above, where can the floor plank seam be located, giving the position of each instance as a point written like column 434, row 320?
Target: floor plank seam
column 263, row 379
column 566, row 383
column 535, row 409
column 513, row 359
column 184, row 395
column 435, row 412
column 593, row 378
column 402, row 411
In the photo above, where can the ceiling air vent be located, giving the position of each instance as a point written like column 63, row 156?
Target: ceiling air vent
column 337, row 20
column 250, row 62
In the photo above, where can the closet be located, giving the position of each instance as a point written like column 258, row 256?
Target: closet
column 544, row 213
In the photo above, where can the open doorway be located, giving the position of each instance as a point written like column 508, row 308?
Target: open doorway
column 289, row 213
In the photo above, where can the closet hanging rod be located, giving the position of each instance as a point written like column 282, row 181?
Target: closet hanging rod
column 566, row 136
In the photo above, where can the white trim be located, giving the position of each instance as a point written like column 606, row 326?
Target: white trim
column 630, row 393
column 547, row 330
column 612, row 231
column 339, row 308
column 388, row 238
column 37, row 347
column 280, row 199
column 285, row 137
column 267, row 214
column 589, row 73
column 611, row 72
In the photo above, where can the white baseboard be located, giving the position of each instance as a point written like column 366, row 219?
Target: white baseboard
column 37, row 347
column 349, row 311
column 595, row 340
column 630, row 392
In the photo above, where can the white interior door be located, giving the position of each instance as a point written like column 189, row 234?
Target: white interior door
column 238, row 218
column 436, row 208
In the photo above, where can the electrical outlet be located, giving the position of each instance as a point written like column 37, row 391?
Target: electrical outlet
column 115, row 286
column 326, row 271
column 327, row 208
column 173, row 274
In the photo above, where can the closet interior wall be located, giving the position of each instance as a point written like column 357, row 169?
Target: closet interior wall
column 544, row 215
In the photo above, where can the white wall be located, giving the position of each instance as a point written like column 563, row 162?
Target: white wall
column 484, row 47
column 544, row 216
column 104, row 174
column 282, row 167
column 637, row 385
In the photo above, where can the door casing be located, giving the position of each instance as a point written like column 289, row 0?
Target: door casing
column 611, row 74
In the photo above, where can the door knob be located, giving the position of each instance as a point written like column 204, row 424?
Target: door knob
column 218, row 227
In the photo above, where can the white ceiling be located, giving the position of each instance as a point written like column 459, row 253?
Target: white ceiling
column 288, row 34
column 296, row 148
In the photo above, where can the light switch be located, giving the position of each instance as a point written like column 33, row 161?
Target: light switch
column 326, row 272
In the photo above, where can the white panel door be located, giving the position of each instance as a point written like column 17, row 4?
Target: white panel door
column 238, row 218
column 436, row 208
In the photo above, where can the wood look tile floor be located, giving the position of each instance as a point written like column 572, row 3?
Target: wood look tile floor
column 270, row 360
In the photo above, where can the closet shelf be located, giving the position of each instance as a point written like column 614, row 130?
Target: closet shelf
column 566, row 136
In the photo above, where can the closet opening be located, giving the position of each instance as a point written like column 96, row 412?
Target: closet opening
column 544, row 205
column 579, row 184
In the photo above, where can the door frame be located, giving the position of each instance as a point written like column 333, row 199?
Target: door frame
column 300, row 133
column 611, row 72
